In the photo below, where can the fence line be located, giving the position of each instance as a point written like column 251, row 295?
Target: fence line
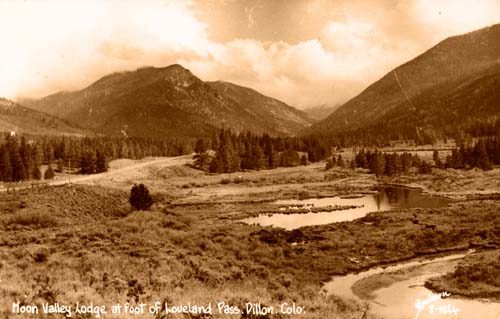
column 18, row 186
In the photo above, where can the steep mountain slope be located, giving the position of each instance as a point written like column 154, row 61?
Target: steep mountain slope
column 272, row 112
column 453, row 83
column 17, row 118
column 157, row 102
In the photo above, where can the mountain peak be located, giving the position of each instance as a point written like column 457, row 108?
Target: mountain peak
column 171, row 101
column 177, row 74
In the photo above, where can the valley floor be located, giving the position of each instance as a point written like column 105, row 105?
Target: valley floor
column 81, row 242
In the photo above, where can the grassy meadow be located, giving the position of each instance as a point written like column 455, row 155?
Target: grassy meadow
column 83, row 243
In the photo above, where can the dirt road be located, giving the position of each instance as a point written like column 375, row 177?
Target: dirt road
column 131, row 168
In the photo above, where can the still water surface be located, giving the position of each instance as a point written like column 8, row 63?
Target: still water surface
column 387, row 198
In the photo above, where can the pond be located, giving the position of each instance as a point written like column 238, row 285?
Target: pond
column 387, row 198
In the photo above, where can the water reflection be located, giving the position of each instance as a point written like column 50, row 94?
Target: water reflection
column 409, row 198
column 386, row 199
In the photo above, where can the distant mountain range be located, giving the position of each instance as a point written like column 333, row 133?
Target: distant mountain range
column 171, row 102
column 320, row 112
column 453, row 84
column 17, row 118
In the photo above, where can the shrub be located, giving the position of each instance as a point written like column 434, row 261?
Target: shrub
column 49, row 173
column 41, row 255
column 32, row 219
column 140, row 199
column 238, row 180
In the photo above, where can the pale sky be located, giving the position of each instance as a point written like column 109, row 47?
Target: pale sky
column 304, row 52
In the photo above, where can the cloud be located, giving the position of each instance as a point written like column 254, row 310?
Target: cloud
column 60, row 45
column 57, row 45
column 329, row 70
column 447, row 17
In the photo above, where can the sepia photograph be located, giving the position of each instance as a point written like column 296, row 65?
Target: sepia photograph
column 250, row 159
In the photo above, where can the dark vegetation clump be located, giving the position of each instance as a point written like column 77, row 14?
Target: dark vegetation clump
column 140, row 199
column 49, row 173
column 41, row 255
column 483, row 154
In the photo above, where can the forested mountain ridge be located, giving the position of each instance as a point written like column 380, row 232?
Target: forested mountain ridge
column 454, row 83
column 160, row 102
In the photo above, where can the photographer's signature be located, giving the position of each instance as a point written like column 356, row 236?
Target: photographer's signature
column 428, row 304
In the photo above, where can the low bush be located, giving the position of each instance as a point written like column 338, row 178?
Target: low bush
column 33, row 219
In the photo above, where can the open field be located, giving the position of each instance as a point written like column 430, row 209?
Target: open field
column 82, row 242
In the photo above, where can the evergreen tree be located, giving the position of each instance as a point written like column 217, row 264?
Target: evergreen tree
column 406, row 162
column 5, row 165
column 22, row 172
column 49, row 153
column 389, row 169
column 226, row 159
column 331, row 162
column 258, row 159
column 303, row 160
column 352, row 164
column 101, row 163
column 289, row 158
column 377, row 166
column 49, row 173
column 481, row 156
column 273, row 157
column 36, row 174
column 26, row 165
column 340, row 161
column 201, row 157
column 425, row 168
column 200, row 146
column 88, row 163
column 360, row 159
column 437, row 160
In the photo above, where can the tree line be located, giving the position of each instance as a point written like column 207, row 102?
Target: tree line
column 229, row 152
column 483, row 154
column 382, row 164
column 381, row 134
column 21, row 157
column 20, row 160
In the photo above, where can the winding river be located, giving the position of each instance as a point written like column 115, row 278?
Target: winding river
column 392, row 292
column 398, row 292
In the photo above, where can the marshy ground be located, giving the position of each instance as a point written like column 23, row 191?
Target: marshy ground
column 82, row 242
